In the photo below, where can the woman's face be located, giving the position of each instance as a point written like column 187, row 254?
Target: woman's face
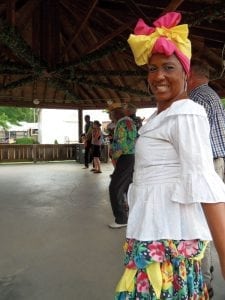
column 166, row 79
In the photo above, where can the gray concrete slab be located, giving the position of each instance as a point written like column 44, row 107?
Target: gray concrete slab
column 54, row 239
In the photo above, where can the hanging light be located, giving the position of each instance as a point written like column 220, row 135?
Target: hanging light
column 36, row 101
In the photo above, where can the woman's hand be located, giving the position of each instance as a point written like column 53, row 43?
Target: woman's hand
column 215, row 215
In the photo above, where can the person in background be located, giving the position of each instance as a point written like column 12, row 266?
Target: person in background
column 176, row 200
column 82, row 138
column 122, row 151
column 96, row 146
column 87, row 143
column 110, row 134
column 201, row 93
column 131, row 112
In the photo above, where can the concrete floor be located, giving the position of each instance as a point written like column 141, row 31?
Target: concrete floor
column 54, row 239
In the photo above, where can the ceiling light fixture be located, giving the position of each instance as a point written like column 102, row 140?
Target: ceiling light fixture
column 36, row 101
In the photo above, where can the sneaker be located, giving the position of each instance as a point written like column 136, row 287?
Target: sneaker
column 97, row 171
column 115, row 225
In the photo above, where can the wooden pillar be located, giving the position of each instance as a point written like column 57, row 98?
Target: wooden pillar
column 80, row 122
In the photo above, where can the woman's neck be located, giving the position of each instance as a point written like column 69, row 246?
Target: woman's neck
column 161, row 106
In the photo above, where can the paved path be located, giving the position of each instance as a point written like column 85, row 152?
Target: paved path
column 55, row 243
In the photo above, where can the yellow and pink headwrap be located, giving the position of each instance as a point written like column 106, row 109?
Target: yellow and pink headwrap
column 165, row 38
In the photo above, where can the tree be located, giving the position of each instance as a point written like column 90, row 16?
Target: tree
column 14, row 115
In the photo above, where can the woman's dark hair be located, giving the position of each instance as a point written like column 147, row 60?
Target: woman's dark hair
column 97, row 123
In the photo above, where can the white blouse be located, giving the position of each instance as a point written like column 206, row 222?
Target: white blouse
column 173, row 174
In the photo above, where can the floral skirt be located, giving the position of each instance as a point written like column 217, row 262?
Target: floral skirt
column 164, row 269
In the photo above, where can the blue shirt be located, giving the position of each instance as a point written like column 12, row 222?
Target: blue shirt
column 207, row 97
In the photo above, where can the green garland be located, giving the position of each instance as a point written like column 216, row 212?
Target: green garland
column 36, row 67
column 18, row 83
column 119, row 88
column 65, row 87
column 92, row 57
column 76, row 73
column 12, row 39
column 12, row 68
column 209, row 13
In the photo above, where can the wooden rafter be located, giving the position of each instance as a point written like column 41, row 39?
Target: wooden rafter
column 81, row 26
column 49, row 32
column 172, row 6
column 10, row 11
column 28, row 10
column 91, row 37
column 135, row 8
column 108, row 38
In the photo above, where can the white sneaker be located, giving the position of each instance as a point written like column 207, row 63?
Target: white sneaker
column 115, row 225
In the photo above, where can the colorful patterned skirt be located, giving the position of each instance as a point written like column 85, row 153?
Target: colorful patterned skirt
column 164, row 269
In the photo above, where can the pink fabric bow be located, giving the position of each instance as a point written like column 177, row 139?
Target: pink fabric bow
column 166, row 38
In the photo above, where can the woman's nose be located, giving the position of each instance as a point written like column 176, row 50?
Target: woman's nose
column 157, row 74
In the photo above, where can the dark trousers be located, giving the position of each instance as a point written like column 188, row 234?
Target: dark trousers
column 121, row 178
column 87, row 154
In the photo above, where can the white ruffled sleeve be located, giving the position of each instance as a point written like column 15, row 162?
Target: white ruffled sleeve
column 198, row 180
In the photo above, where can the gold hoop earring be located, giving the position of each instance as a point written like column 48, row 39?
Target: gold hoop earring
column 149, row 90
column 185, row 85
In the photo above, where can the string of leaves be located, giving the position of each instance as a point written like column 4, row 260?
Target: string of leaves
column 17, row 83
column 14, row 68
column 12, row 39
column 208, row 13
column 92, row 57
column 76, row 73
column 119, row 88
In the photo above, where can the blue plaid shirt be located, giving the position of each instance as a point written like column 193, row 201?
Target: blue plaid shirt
column 207, row 97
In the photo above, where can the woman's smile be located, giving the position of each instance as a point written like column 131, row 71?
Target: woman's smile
column 166, row 79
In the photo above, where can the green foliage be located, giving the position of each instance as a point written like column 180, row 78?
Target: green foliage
column 14, row 115
column 223, row 102
column 25, row 141
column 3, row 120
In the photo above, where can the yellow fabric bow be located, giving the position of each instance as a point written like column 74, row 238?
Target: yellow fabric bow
column 142, row 45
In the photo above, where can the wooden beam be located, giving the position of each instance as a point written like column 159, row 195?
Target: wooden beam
column 108, row 38
column 10, row 12
column 172, row 6
column 28, row 11
column 36, row 33
column 81, row 26
column 80, row 122
column 49, row 32
column 135, row 8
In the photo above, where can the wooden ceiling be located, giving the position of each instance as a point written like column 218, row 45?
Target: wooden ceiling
column 74, row 53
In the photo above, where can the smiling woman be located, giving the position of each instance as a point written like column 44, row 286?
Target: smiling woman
column 167, row 80
column 175, row 189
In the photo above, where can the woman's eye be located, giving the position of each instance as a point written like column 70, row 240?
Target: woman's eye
column 168, row 68
column 152, row 69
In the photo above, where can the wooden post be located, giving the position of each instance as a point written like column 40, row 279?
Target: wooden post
column 80, row 122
